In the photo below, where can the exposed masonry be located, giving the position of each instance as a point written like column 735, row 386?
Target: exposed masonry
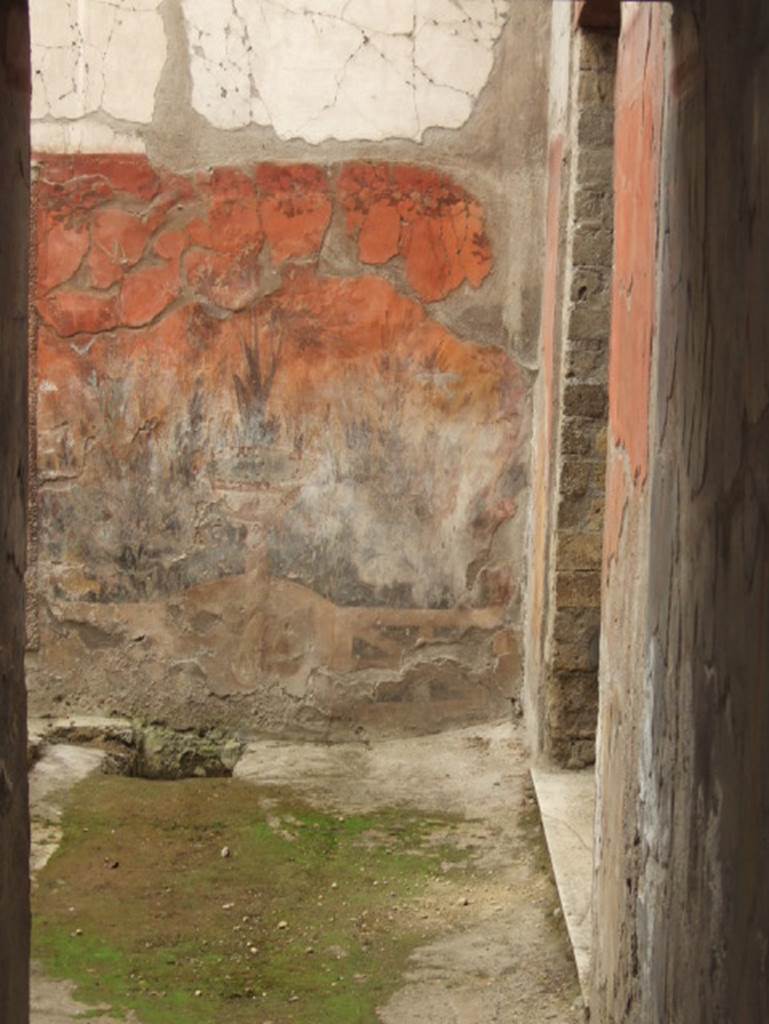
column 572, row 642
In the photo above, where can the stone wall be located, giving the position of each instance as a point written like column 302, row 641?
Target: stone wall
column 546, row 392
column 682, row 906
column 14, row 207
column 282, row 381
column 571, row 403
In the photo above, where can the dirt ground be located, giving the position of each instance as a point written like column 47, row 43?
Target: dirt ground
column 497, row 952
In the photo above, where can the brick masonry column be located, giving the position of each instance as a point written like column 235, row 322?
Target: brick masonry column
column 567, row 513
column 571, row 665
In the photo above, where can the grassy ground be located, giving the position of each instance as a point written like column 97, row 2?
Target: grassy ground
column 309, row 920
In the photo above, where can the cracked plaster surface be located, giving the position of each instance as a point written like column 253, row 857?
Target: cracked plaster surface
column 93, row 57
column 341, row 69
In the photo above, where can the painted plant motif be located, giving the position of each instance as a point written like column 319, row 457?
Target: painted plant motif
column 285, row 476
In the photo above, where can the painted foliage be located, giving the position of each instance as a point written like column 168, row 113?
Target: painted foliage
column 285, row 482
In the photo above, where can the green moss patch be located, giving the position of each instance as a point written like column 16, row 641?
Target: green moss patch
column 309, row 919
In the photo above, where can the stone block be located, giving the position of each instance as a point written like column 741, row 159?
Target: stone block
column 589, row 285
column 592, row 246
column 595, row 166
column 580, row 550
column 587, row 360
column 583, row 512
column 579, row 435
column 589, row 320
column 576, row 657
column 576, row 476
column 592, row 204
column 595, row 126
column 585, row 400
column 580, row 589
column 572, row 625
column 572, row 704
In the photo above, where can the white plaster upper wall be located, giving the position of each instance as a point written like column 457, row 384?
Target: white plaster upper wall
column 341, row 69
column 91, row 57
column 311, row 69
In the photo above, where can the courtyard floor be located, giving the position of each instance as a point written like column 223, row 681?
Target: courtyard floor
column 403, row 882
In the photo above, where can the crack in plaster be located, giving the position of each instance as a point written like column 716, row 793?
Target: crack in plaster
column 341, row 69
column 84, row 55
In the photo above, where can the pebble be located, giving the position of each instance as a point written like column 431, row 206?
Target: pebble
column 225, row 852
column 282, row 924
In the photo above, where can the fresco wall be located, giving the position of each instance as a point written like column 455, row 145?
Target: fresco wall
column 282, row 399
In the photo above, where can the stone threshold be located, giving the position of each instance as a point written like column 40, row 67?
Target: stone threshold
column 566, row 802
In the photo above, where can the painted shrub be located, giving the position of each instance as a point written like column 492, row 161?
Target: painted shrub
column 270, row 492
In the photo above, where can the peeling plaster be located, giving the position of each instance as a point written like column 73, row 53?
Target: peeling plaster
column 341, row 69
